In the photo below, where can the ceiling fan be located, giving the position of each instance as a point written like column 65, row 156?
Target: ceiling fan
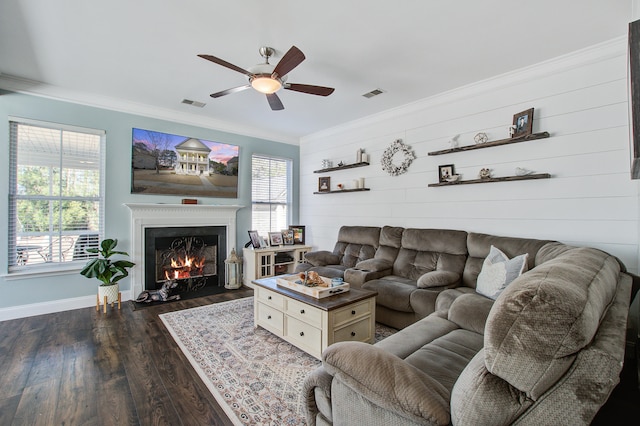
column 268, row 79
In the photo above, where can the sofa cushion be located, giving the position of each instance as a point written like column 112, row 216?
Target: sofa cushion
column 438, row 279
column 479, row 246
column 393, row 292
column 548, row 315
column 321, row 258
column 425, row 250
column 498, row 271
column 470, row 312
column 356, row 243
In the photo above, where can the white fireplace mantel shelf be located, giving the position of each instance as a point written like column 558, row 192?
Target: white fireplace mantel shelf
column 145, row 215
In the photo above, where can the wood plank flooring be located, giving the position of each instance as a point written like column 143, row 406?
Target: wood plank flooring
column 82, row 367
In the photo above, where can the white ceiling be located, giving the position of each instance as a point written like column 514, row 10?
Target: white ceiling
column 140, row 55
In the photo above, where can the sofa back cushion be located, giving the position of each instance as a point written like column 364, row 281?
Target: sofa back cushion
column 426, row 250
column 390, row 243
column 479, row 245
column 544, row 318
column 356, row 243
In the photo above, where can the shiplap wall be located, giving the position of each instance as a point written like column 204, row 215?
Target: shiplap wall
column 580, row 99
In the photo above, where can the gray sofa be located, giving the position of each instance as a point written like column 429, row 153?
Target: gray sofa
column 548, row 350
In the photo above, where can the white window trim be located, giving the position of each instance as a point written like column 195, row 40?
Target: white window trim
column 66, row 268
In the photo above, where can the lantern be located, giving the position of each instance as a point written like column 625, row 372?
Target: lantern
column 233, row 267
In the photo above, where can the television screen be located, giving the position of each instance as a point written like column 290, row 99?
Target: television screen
column 168, row 164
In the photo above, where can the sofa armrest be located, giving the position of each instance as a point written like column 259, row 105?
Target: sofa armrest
column 470, row 311
column 322, row 258
column 388, row 382
column 367, row 270
column 438, row 279
column 317, row 393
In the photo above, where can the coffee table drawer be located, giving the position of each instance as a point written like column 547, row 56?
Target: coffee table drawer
column 360, row 331
column 304, row 312
column 303, row 335
column 270, row 318
column 351, row 313
column 271, row 298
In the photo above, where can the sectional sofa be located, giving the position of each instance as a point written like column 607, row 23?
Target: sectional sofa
column 546, row 348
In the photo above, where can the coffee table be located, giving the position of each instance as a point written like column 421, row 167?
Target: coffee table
column 313, row 324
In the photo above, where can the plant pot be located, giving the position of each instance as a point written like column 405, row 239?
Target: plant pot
column 111, row 291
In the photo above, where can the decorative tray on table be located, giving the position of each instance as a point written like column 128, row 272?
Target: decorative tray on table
column 295, row 283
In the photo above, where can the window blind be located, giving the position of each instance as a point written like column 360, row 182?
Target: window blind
column 270, row 193
column 56, row 194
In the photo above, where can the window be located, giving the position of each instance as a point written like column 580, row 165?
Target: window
column 270, row 193
column 56, row 194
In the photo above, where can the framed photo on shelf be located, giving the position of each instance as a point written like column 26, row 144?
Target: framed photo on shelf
column 324, row 184
column 523, row 123
column 255, row 239
column 275, row 238
column 298, row 234
column 287, row 237
column 445, row 172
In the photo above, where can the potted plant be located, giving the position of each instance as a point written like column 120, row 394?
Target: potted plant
column 108, row 271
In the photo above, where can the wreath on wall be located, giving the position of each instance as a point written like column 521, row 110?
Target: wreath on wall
column 387, row 158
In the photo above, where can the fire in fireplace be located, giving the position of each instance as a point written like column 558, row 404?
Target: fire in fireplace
column 193, row 256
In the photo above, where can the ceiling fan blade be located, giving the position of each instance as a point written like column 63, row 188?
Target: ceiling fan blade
column 225, row 64
column 312, row 90
column 289, row 61
column 274, row 102
column 229, row 91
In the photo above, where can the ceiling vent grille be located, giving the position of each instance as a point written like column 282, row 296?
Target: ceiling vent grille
column 193, row 103
column 374, row 92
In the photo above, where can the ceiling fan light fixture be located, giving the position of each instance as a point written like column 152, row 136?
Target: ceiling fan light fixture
column 265, row 84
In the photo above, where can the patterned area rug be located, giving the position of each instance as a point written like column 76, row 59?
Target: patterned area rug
column 255, row 376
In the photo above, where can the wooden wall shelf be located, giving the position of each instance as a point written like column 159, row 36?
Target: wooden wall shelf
column 500, row 142
column 346, row 166
column 494, row 179
column 343, row 190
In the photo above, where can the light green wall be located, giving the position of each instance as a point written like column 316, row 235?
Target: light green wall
column 118, row 125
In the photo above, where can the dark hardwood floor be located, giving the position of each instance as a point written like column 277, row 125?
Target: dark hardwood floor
column 84, row 367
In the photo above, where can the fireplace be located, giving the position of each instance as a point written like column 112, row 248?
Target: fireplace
column 146, row 216
column 193, row 256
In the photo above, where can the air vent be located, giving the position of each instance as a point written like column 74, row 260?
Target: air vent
column 374, row 92
column 193, row 103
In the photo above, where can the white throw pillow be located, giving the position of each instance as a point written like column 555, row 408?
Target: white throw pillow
column 498, row 271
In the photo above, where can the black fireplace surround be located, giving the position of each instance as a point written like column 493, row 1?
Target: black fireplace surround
column 157, row 240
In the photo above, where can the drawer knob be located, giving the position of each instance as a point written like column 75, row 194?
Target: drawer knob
column 269, row 298
column 269, row 317
column 302, row 333
column 353, row 333
column 302, row 311
column 353, row 312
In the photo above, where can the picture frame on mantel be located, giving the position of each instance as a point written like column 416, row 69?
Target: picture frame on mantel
column 523, row 123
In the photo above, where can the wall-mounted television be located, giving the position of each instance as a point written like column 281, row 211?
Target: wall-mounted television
column 168, row 164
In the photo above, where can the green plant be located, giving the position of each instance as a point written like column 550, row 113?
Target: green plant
column 103, row 268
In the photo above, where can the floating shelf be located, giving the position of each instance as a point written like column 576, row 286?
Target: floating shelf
column 343, row 190
column 346, row 166
column 530, row 137
column 494, row 179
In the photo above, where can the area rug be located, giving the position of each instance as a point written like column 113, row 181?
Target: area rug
column 256, row 377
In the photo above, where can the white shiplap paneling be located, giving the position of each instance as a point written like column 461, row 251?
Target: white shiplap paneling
column 590, row 200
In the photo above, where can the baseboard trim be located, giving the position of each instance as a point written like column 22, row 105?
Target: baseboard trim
column 42, row 308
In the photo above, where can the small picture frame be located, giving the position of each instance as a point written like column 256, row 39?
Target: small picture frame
column 275, row 238
column 445, row 172
column 298, row 233
column 287, row 237
column 324, row 184
column 263, row 242
column 255, row 239
column 523, row 123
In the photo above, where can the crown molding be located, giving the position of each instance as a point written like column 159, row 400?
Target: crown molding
column 37, row 88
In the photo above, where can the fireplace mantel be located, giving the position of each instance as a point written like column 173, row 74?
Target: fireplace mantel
column 149, row 215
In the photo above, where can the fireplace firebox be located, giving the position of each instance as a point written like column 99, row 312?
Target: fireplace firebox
column 192, row 256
